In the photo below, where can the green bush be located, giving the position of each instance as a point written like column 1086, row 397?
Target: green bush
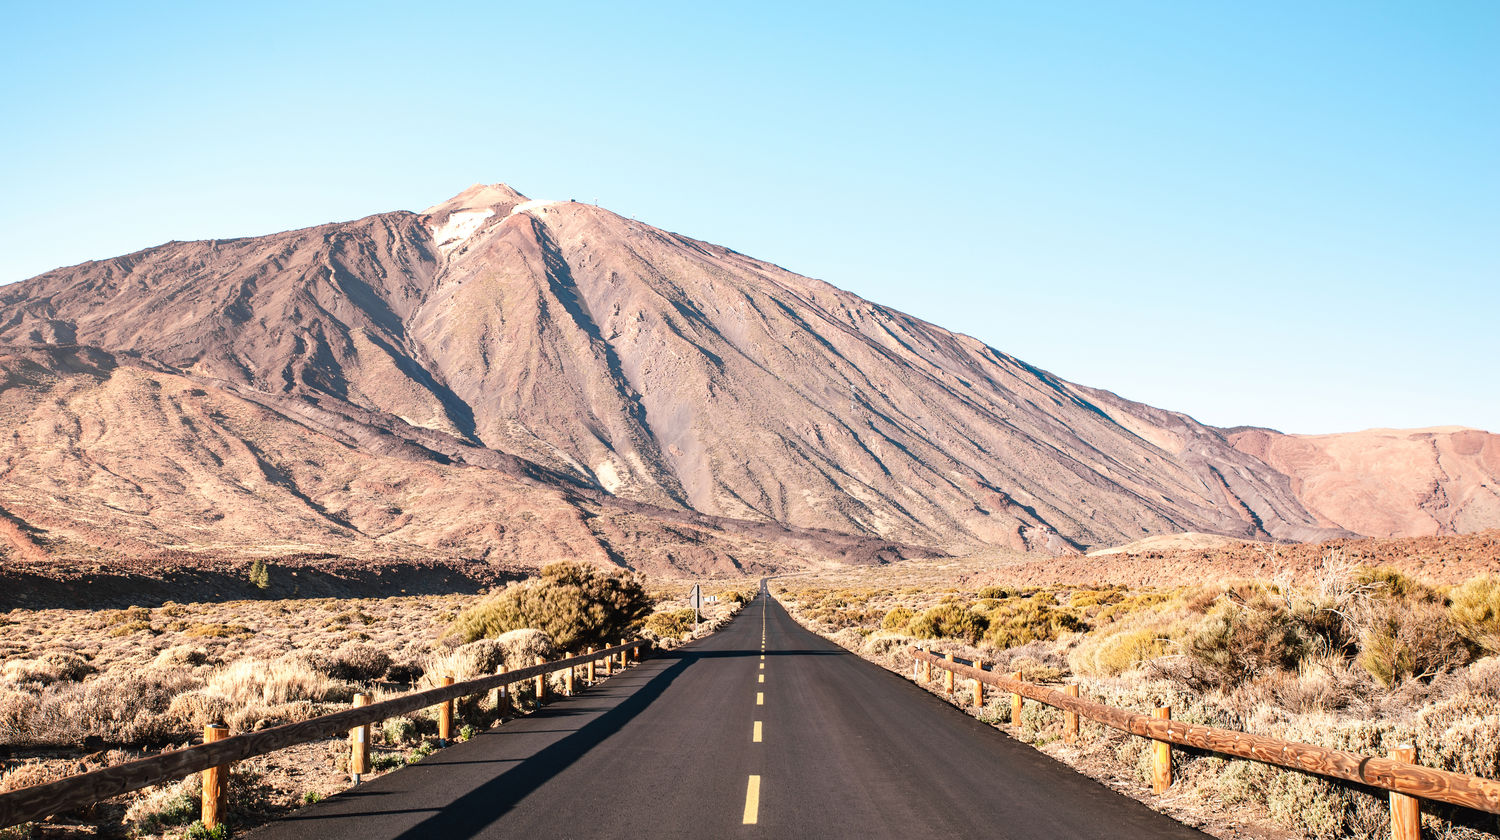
column 260, row 574
column 398, row 730
column 1475, row 612
column 199, row 831
column 179, row 810
column 897, row 619
column 574, row 604
column 671, row 624
column 1037, row 620
column 949, row 621
column 1388, row 582
column 1410, row 639
column 1114, row 653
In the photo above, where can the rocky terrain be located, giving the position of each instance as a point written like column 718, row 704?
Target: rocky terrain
column 504, row 381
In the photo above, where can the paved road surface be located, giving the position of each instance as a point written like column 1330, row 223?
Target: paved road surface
column 720, row 740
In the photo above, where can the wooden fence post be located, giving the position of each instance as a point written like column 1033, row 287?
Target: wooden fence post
column 609, row 665
column 501, row 695
column 541, row 683
column 1161, row 767
column 359, row 744
column 1406, row 811
column 948, row 675
column 622, row 656
column 568, row 680
column 1015, row 704
column 445, row 715
column 1070, row 718
column 926, row 669
column 214, row 779
column 589, row 680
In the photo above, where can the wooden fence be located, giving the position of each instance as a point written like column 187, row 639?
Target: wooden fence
column 38, row 801
column 1405, row 780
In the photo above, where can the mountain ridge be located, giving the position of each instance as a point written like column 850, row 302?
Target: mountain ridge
column 650, row 367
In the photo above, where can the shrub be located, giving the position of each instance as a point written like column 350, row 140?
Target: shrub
column 1390, row 582
column 46, row 669
column 354, row 661
column 398, row 730
column 272, row 682
column 515, row 649
column 180, row 655
column 1475, row 612
column 180, row 808
column 994, row 593
column 1237, row 642
column 669, row 625
column 129, row 628
column 1111, row 654
column 1038, row 620
column 125, row 710
column 574, row 604
column 405, row 672
column 219, row 631
column 198, row 831
column 1410, row 639
column 129, row 615
column 260, row 574
column 897, row 619
column 949, row 621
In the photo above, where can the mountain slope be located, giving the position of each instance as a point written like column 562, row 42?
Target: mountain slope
column 594, row 354
column 1389, row 482
column 116, row 461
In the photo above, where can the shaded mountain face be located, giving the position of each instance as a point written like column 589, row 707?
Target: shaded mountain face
column 597, row 357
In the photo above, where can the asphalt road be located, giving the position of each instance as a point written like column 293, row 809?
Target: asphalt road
column 718, row 739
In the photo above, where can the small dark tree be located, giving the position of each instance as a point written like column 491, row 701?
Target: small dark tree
column 260, row 574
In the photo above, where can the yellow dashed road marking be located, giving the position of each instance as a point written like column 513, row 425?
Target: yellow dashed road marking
column 760, row 698
column 756, row 737
column 762, row 678
column 752, row 801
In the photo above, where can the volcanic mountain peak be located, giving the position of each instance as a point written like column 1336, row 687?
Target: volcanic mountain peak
column 478, row 197
column 598, row 355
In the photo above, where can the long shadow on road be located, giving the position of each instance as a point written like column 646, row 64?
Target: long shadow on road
column 470, row 813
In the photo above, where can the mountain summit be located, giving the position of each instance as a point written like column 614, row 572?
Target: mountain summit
column 494, row 345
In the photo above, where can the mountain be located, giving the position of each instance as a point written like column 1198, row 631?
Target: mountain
column 494, row 365
column 1389, row 482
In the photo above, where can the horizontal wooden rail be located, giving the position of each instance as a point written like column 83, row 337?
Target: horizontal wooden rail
column 38, row 801
column 1384, row 773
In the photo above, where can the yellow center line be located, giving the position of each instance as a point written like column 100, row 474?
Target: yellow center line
column 762, row 678
column 763, row 666
column 760, row 698
column 752, row 801
column 756, row 737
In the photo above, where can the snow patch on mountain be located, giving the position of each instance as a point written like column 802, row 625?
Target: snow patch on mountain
column 459, row 227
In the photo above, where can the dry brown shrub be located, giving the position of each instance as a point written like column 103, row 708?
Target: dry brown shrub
column 48, row 668
column 31, row 773
column 178, row 656
column 271, row 682
column 515, row 649
column 354, row 661
column 129, row 709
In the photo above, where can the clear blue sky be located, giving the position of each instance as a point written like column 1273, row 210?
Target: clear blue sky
column 1272, row 213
